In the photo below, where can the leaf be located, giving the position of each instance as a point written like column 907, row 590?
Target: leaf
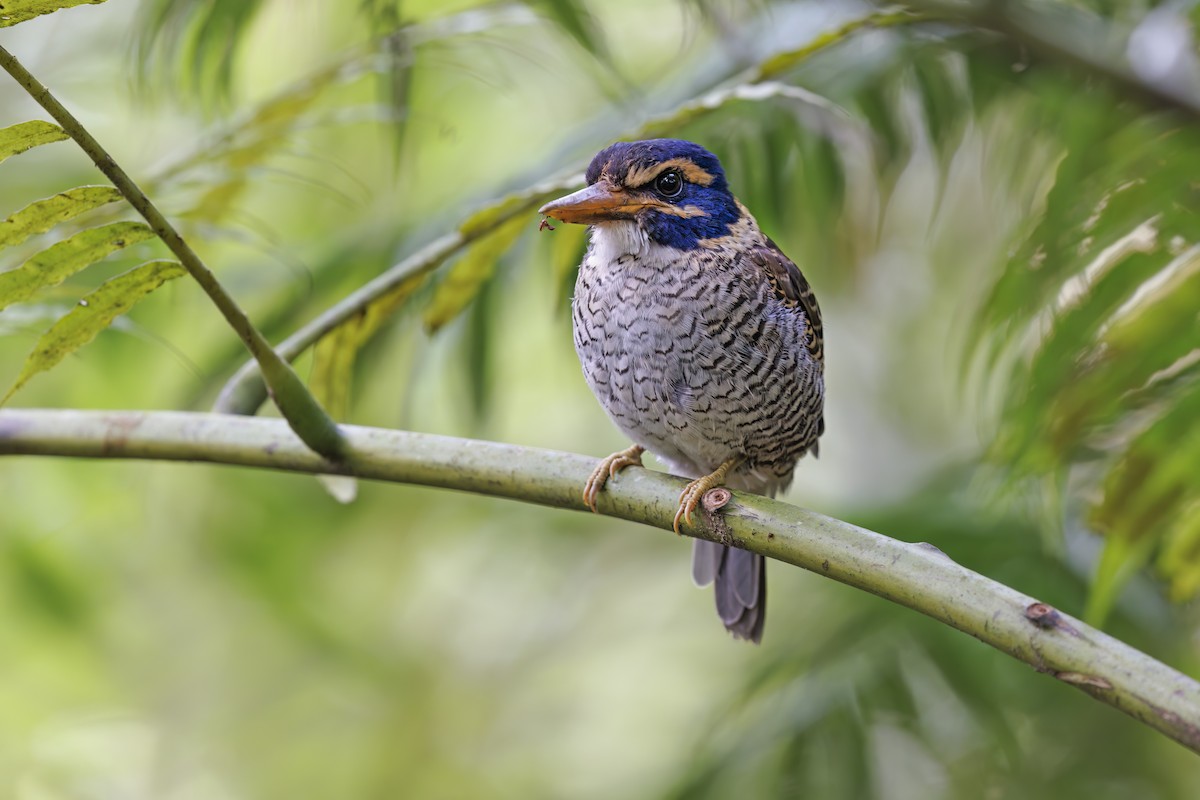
column 1146, row 497
column 942, row 100
column 465, row 277
column 58, row 262
column 332, row 372
column 215, row 203
column 250, row 142
column 335, row 353
column 477, row 346
column 878, row 104
column 43, row 215
column 179, row 33
column 485, row 220
column 1099, row 303
column 95, row 312
column 15, row 11
column 574, row 19
column 333, row 367
column 16, row 139
column 381, row 308
column 1180, row 558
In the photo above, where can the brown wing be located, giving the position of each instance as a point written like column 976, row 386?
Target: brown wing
column 791, row 287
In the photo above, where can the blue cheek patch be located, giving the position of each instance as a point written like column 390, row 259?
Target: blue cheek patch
column 685, row 233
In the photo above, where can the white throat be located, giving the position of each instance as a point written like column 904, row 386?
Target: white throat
column 613, row 240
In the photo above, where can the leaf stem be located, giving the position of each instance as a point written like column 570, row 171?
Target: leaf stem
column 297, row 405
column 914, row 575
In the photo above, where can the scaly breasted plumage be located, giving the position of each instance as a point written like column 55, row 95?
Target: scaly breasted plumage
column 701, row 340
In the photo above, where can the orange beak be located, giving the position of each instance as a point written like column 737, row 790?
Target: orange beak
column 596, row 203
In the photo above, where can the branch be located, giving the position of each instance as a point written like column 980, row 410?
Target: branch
column 297, row 405
column 917, row 576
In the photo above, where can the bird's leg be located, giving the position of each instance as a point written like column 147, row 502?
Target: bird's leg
column 694, row 491
column 608, row 468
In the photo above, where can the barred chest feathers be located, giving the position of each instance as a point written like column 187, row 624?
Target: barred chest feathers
column 694, row 356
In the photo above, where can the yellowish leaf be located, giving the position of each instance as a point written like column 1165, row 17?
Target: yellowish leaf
column 58, row 262
column 15, row 11
column 43, row 215
column 464, row 278
column 94, row 313
column 24, row 136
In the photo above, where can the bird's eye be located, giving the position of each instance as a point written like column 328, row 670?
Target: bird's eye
column 669, row 184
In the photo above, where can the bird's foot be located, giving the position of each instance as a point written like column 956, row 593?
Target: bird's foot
column 608, row 468
column 691, row 495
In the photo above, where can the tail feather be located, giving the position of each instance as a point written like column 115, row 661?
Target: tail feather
column 741, row 586
column 706, row 560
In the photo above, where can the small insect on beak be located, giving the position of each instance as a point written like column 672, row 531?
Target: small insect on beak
column 599, row 202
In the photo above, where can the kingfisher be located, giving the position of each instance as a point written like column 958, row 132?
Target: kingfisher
column 700, row 338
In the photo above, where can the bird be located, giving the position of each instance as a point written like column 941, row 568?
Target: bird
column 700, row 339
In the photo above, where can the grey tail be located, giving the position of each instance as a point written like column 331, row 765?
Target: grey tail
column 741, row 586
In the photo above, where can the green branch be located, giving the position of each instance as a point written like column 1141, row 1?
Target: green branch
column 297, row 405
column 917, row 576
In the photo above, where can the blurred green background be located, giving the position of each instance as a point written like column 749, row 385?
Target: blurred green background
column 999, row 353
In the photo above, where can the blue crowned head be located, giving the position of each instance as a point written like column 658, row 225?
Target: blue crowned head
column 674, row 190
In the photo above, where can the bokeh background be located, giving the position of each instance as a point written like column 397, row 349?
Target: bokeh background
column 189, row 632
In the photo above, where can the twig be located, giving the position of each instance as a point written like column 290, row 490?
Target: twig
column 297, row 405
column 917, row 576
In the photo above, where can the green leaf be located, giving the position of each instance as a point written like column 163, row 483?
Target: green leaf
column 1146, row 498
column 573, row 18
column 381, row 308
column 16, row 139
column 477, row 356
column 335, row 353
column 332, row 368
column 205, row 36
column 941, row 98
column 465, row 277
column 332, row 372
column 15, row 11
column 330, row 379
column 1180, row 558
column 95, row 312
column 1092, row 329
column 43, row 215
column 248, row 144
column 58, row 262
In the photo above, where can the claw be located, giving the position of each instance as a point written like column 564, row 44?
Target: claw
column 691, row 495
column 608, row 468
column 681, row 514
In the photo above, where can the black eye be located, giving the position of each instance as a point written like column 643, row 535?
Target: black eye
column 669, row 184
